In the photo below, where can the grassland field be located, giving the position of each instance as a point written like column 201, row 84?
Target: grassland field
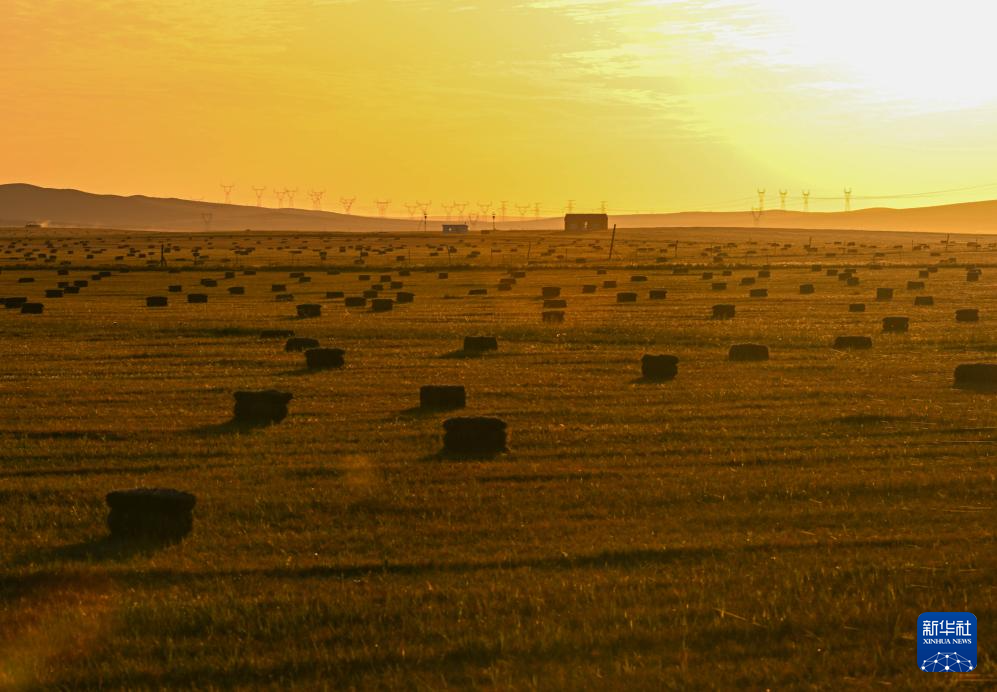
column 774, row 525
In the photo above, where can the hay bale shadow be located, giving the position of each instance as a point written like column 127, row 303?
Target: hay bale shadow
column 103, row 549
column 461, row 353
column 229, row 427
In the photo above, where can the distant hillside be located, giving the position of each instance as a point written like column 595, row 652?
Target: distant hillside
column 21, row 204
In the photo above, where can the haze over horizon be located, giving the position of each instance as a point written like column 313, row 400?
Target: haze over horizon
column 665, row 105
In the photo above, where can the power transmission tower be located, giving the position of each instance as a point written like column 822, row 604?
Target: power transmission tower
column 806, row 200
column 523, row 210
column 228, row 192
column 411, row 207
column 206, row 218
column 848, row 199
column 571, row 206
column 424, row 206
column 460, row 207
column 484, row 207
column 447, row 209
column 756, row 214
column 290, row 197
column 602, row 206
column 347, row 203
column 259, row 195
column 280, row 197
column 382, row 206
column 536, row 210
column 782, row 199
column 316, row 196
column 761, row 199
column 503, row 208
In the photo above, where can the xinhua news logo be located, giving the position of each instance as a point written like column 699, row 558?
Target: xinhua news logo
column 946, row 642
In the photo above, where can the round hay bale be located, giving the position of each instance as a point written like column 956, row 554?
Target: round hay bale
column 371, row 293
column 758, row 293
column 332, row 295
column 237, row 290
column 747, row 281
column 32, row 308
column 659, row 367
column 278, row 288
column 53, row 293
column 852, row 342
column 723, row 312
column 550, row 291
column 589, row 288
column 719, row 286
column 748, row 352
column 924, row 301
column 404, row 297
column 884, row 294
column 197, row 298
column 209, row 283
column 972, row 276
column 626, row 297
column 474, row 436
column 156, row 302
column 261, row 407
column 300, row 343
column 552, row 316
column 355, row 302
column 554, row 303
column 896, row 325
column 276, row 333
column 967, row 315
column 977, row 376
column 638, row 278
column 764, row 273
column 442, row 397
column 856, row 307
column 658, row 294
column 806, row 289
column 324, row 358
column 309, row 310
column 175, row 288
column 915, row 285
column 382, row 305
column 609, row 283
column 480, row 344
column 159, row 514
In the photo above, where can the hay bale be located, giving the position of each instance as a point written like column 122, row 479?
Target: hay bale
column 309, row 310
column 324, row 358
column 26, row 280
column 443, row 275
column 382, row 305
column 723, row 312
column 355, row 302
column 758, row 293
column 32, row 308
column 764, row 274
column 719, row 286
column 554, row 303
column 237, row 290
column 659, row 367
column 209, row 283
column 480, row 344
column 197, row 298
column 53, row 293
column 371, row 293
column 896, row 325
column 626, row 297
column 884, row 294
column 550, row 291
column 11, row 303
column 924, row 274
column 638, row 278
column 589, row 288
column 442, row 397
column 706, row 276
column 915, row 285
column 261, row 407
column 609, row 283
column 967, row 315
column 806, row 289
column 284, row 297
column 276, row 333
column 175, row 288
column 159, row 514
column 300, row 343
column 924, row 301
column 404, row 297
column 304, row 279
column 71, row 290
column 852, row 342
column 856, row 307
column 278, row 288
column 552, row 316
column 658, row 294
column 747, row 281
column 518, row 274
column 748, row 352
column 156, row 302
column 852, row 281
column 81, row 283
column 474, row 436
column 332, row 295
column 973, row 275
column 363, row 277
column 478, row 292
column 977, row 376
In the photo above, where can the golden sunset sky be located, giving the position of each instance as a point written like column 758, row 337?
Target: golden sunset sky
column 660, row 105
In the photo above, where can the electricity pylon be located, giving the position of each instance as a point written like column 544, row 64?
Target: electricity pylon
column 280, row 197
column 316, row 196
column 382, row 206
column 848, row 199
column 290, row 197
column 782, row 199
column 259, row 195
column 347, row 203
column 228, row 192
column 806, row 200
column 761, row 199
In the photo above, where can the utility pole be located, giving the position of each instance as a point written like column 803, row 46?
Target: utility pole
column 612, row 242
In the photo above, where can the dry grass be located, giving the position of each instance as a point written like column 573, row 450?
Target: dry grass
column 761, row 525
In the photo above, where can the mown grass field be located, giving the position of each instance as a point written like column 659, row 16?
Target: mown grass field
column 775, row 525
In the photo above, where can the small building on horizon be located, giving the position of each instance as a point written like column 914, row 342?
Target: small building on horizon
column 455, row 228
column 586, row 222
